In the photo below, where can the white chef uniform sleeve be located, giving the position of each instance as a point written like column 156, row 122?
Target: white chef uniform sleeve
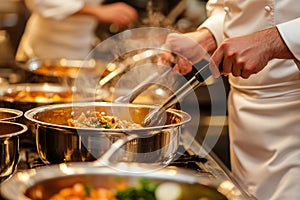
column 290, row 32
column 55, row 9
column 215, row 20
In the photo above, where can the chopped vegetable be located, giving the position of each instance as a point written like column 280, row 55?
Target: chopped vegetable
column 145, row 191
column 100, row 120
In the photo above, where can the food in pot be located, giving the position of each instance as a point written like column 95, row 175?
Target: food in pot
column 57, row 70
column 61, row 71
column 101, row 120
column 146, row 189
column 82, row 191
column 5, row 115
column 40, row 97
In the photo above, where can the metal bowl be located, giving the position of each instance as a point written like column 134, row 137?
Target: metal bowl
column 34, row 184
column 30, row 95
column 8, row 114
column 88, row 144
column 58, row 70
column 9, row 147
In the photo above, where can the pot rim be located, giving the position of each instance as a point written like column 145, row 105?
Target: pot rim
column 24, row 129
column 33, row 64
column 185, row 117
column 18, row 113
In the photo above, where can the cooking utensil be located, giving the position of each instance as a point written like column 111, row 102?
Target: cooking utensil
column 152, row 79
column 62, row 70
column 34, row 184
column 156, row 116
column 8, row 114
column 106, row 79
column 88, row 144
column 126, row 63
column 30, row 95
column 9, row 147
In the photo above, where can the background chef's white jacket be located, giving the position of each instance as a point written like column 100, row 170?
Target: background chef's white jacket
column 53, row 31
column 264, row 110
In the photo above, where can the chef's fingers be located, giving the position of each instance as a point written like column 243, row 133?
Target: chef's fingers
column 184, row 66
column 164, row 58
column 246, row 73
column 126, row 15
column 237, row 69
column 216, row 64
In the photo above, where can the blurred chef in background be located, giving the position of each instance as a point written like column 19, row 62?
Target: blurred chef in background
column 258, row 43
column 66, row 29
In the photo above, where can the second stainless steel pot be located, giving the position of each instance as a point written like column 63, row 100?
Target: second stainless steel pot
column 9, row 147
column 57, row 142
column 8, row 114
column 34, row 184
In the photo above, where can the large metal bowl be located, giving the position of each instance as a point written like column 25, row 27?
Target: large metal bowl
column 58, row 70
column 34, row 184
column 57, row 142
column 30, row 95
column 9, row 147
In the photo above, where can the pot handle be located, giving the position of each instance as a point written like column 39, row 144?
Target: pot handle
column 104, row 159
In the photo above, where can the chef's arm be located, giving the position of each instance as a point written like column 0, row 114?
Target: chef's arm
column 210, row 33
column 214, row 22
column 289, row 32
column 117, row 13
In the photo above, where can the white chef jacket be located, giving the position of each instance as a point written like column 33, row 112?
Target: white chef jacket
column 264, row 110
column 52, row 30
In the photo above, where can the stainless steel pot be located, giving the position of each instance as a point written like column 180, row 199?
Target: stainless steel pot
column 34, row 184
column 62, row 70
column 30, row 95
column 57, row 142
column 9, row 147
column 8, row 114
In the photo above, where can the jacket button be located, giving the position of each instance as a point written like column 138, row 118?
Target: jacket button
column 227, row 9
column 268, row 8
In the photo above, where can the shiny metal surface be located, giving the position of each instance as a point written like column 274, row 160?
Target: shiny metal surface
column 9, row 147
column 8, row 114
column 47, row 91
column 62, row 70
column 34, row 183
column 57, row 142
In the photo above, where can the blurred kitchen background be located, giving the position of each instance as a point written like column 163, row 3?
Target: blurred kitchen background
column 183, row 16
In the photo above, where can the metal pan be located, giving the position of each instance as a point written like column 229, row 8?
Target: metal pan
column 9, row 147
column 30, row 95
column 62, row 70
column 57, row 142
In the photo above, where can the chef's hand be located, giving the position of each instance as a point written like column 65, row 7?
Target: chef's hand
column 118, row 13
column 190, row 48
column 247, row 55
